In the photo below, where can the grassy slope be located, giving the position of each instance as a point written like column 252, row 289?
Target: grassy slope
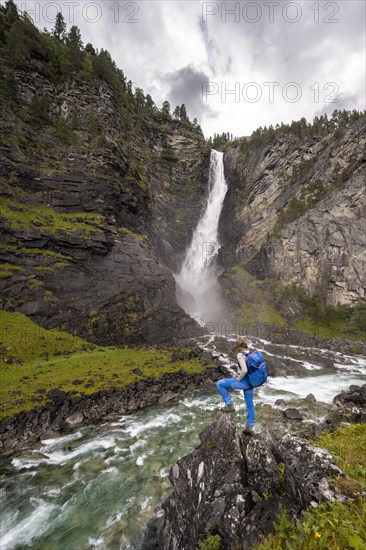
column 252, row 301
column 35, row 360
column 331, row 526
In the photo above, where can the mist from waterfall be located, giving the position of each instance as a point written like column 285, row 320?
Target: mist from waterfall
column 198, row 291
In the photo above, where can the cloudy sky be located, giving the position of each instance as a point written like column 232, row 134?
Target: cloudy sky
column 236, row 65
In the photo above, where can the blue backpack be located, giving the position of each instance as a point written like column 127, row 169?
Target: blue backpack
column 257, row 370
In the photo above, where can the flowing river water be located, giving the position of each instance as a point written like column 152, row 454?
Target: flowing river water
column 96, row 487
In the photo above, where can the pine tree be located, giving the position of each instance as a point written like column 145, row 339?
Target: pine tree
column 74, row 49
column 149, row 102
column 89, row 48
column 139, row 97
column 60, row 27
column 166, row 108
column 10, row 14
column 176, row 112
column 183, row 113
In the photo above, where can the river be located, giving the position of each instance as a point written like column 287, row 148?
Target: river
column 97, row 486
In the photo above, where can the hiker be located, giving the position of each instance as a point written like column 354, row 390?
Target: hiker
column 240, row 382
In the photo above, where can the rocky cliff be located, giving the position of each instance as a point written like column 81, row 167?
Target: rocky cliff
column 295, row 214
column 99, row 200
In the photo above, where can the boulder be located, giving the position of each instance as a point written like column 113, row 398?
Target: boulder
column 58, row 396
column 293, row 414
column 208, row 489
column 75, row 419
column 310, row 398
column 308, row 470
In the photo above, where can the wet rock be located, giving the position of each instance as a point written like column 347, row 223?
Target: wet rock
column 280, row 402
column 167, row 396
column 310, row 398
column 284, row 366
column 266, row 407
column 50, row 434
column 151, row 539
column 65, row 410
column 31, row 455
column 355, row 395
column 74, row 419
column 293, row 414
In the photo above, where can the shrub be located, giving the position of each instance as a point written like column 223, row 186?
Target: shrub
column 213, row 542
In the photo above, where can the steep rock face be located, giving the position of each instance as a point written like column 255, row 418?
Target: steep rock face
column 325, row 249
column 90, row 223
column 296, row 211
column 232, row 486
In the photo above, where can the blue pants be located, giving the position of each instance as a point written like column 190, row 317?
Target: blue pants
column 233, row 384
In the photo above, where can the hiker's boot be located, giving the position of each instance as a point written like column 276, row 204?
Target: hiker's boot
column 228, row 408
column 248, row 430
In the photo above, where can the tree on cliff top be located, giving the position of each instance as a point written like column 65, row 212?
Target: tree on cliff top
column 166, row 108
column 75, row 54
column 60, row 27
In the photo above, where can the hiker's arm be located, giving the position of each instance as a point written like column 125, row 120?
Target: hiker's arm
column 243, row 366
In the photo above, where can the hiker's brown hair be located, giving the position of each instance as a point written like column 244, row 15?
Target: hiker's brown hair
column 241, row 343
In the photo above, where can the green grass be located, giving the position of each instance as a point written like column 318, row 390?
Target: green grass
column 25, row 216
column 213, row 542
column 36, row 359
column 348, row 446
column 22, row 251
column 129, row 233
column 7, row 270
column 332, row 526
column 23, row 341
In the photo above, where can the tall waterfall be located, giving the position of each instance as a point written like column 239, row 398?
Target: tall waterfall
column 198, row 292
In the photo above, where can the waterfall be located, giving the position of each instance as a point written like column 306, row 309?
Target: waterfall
column 198, row 292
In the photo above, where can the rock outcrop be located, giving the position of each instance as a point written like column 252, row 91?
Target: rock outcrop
column 235, row 486
column 295, row 211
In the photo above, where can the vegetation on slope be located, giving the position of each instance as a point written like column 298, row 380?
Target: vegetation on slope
column 254, row 302
column 35, row 360
column 60, row 54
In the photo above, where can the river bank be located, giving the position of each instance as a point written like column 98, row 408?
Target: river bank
column 64, row 412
